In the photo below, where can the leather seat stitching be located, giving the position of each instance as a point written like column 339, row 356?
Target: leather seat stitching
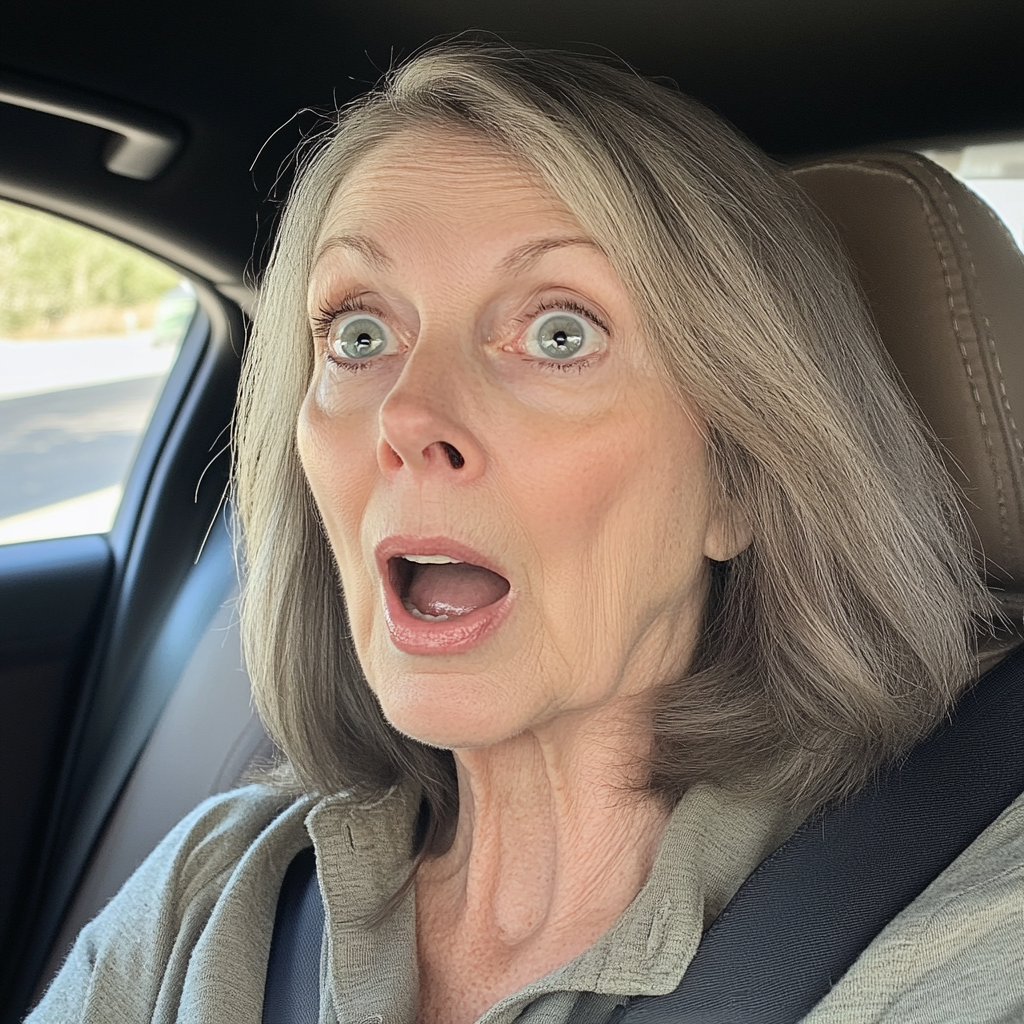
column 1002, row 390
column 969, row 371
column 909, row 179
column 989, row 336
column 999, row 378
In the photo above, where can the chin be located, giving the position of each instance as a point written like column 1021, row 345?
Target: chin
column 446, row 711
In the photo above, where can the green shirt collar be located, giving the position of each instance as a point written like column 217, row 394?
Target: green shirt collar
column 711, row 843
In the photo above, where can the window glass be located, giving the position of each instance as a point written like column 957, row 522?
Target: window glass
column 89, row 329
column 996, row 173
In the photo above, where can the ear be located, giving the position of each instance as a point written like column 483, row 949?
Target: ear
column 728, row 534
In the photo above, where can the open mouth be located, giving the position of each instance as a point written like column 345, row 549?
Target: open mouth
column 437, row 588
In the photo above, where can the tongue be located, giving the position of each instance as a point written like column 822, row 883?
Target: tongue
column 454, row 589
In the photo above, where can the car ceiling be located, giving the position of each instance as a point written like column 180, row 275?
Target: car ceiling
column 798, row 76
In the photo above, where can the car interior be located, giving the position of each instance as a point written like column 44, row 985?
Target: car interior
column 125, row 700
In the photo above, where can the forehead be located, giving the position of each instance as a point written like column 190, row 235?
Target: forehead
column 454, row 182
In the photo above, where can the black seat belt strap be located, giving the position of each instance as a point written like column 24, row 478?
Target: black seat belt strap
column 803, row 917
column 292, row 993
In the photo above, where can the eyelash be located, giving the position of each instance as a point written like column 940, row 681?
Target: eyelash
column 324, row 319
column 568, row 306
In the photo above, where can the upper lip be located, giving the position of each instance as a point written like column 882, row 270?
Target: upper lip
column 404, row 544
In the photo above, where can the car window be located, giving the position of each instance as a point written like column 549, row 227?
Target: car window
column 89, row 329
column 995, row 172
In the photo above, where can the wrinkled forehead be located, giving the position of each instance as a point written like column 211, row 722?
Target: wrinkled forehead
column 421, row 196
column 429, row 171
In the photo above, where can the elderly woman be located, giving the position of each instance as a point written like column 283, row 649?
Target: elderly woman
column 591, row 546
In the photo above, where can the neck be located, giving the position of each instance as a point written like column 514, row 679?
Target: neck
column 554, row 839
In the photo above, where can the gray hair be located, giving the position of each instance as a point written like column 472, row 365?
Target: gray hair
column 839, row 637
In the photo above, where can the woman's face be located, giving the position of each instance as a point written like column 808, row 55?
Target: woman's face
column 484, row 401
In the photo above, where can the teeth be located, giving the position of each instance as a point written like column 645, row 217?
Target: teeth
column 432, row 559
column 417, row 614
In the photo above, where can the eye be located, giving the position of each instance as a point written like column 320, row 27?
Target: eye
column 560, row 336
column 358, row 337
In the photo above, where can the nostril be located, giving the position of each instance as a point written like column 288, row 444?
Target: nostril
column 454, row 457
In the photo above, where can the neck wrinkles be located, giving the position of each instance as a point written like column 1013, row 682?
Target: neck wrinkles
column 555, row 835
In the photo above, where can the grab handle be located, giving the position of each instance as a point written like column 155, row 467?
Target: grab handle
column 143, row 143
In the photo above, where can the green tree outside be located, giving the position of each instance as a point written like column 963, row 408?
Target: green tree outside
column 51, row 269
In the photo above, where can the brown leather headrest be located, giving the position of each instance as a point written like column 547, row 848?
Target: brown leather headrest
column 945, row 282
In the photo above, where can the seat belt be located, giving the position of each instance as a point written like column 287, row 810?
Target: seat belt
column 807, row 912
column 292, row 993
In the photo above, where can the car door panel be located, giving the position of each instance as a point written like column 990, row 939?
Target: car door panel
column 50, row 593
column 157, row 579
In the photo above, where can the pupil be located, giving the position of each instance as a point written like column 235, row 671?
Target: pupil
column 561, row 339
column 363, row 341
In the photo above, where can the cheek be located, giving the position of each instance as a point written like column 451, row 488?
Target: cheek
column 622, row 488
column 617, row 528
column 676, row 507
column 337, row 449
column 337, row 454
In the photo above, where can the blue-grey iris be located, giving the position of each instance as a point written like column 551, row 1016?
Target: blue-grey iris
column 360, row 338
column 561, row 336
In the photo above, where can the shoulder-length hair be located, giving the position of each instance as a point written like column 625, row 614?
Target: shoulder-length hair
column 838, row 637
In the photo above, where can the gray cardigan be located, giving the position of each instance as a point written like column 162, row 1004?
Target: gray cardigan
column 187, row 938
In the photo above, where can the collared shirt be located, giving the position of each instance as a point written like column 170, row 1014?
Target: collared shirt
column 187, row 938
column 710, row 844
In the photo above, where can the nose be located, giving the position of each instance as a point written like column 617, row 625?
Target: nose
column 421, row 428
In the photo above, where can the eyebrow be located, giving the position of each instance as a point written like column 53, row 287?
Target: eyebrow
column 523, row 257
column 366, row 247
column 517, row 261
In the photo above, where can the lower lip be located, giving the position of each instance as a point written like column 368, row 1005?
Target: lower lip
column 416, row 636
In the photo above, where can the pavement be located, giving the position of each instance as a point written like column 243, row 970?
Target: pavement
column 71, row 416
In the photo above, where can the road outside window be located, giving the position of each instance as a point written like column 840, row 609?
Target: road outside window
column 89, row 329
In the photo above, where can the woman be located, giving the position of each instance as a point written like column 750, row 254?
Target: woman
column 642, row 557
